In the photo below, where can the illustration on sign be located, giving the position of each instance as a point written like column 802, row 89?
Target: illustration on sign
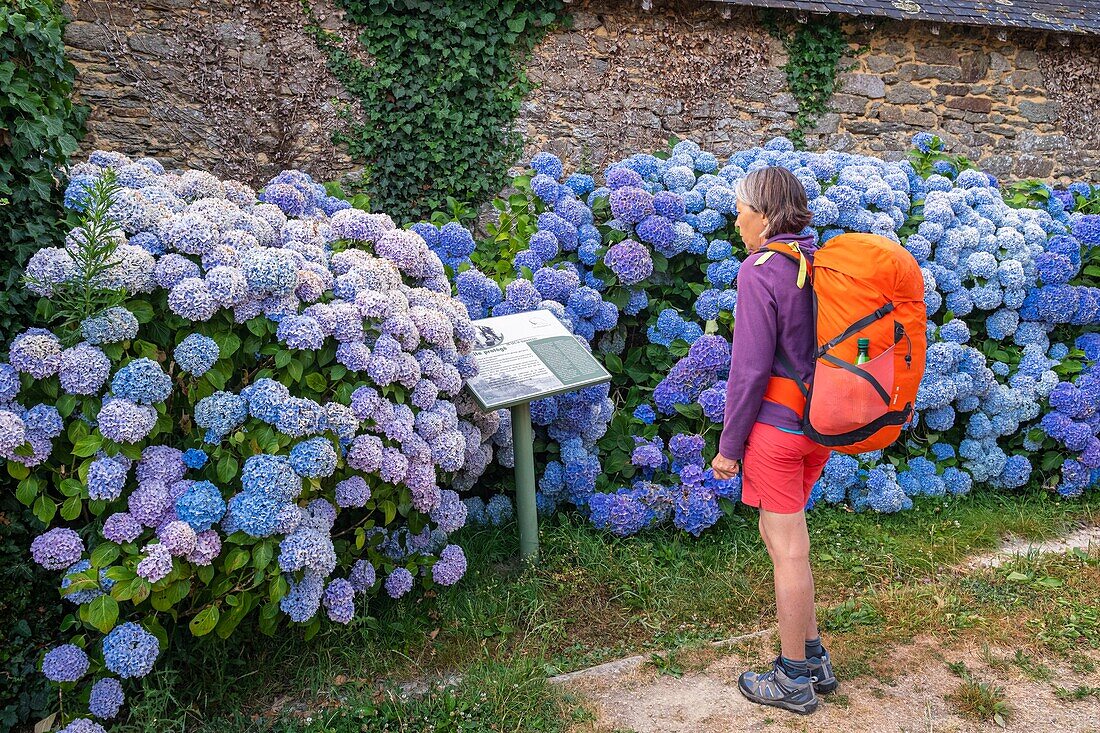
column 527, row 356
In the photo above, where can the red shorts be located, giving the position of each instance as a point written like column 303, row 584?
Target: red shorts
column 779, row 469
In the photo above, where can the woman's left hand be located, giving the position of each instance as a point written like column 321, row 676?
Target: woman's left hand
column 725, row 468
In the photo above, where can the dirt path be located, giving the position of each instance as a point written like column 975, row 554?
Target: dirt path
column 645, row 701
column 633, row 695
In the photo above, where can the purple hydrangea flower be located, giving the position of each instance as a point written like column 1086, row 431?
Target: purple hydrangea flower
column 399, row 582
column 57, row 549
column 83, row 369
column 121, row 527
column 37, row 352
column 450, row 567
column 339, row 601
column 65, row 663
column 156, row 565
column 106, row 698
column 630, row 261
column 362, row 576
column 352, row 492
column 123, row 421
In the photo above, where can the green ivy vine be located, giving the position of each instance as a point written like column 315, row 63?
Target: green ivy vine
column 436, row 101
column 814, row 50
column 39, row 129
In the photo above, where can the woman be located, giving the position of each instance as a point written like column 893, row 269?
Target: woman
column 763, row 440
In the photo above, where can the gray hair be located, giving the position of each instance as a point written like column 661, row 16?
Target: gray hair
column 777, row 194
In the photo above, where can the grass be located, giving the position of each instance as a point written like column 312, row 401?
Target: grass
column 1081, row 692
column 594, row 597
column 982, row 701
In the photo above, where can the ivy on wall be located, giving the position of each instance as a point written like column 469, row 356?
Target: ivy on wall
column 436, row 101
column 39, row 129
column 814, row 50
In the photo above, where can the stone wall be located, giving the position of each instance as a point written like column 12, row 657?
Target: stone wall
column 232, row 86
column 238, row 87
column 623, row 80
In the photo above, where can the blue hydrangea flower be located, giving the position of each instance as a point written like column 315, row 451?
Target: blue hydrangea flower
column 65, row 663
column 196, row 354
column 201, row 505
column 130, row 651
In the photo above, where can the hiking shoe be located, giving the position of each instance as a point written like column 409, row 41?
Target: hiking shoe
column 775, row 688
column 821, row 672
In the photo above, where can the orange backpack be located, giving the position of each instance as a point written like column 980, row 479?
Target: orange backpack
column 864, row 286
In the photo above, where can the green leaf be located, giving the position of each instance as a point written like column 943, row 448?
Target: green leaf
column 205, row 621
column 262, row 554
column 70, row 510
column 316, row 382
column 27, row 491
column 120, row 574
column 45, row 509
column 17, row 470
column 87, row 446
column 104, row 555
column 229, row 621
column 103, row 612
column 227, row 469
column 71, row 487
column 142, row 311
column 294, row 369
column 235, row 560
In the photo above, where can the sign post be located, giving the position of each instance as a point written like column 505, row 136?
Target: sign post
column 523, row 442
column 521, row 358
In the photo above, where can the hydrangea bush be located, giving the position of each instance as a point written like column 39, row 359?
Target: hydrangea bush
column 644, row 268
column 243, row 406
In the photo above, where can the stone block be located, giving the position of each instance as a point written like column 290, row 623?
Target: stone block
column 999, row 62
column 153, row 44
column 908, row 116
column 935, row 54
column 899, row 49
column 974, row 66
column 1033, row 142
column 998, row 165
column 862, row 85
column 785, row 102
column 881, row 62
column 87, row 36
column 906, row 93
column 1032, row 166
column 1026, row 59
column 873, row 127
column 998, row 130
column 848, row 104
column 583, row 20
column 953, row 90
column 1021, row 79
column 936, row 72
column 981, row 105
column 1039, row 111
column 827, row 124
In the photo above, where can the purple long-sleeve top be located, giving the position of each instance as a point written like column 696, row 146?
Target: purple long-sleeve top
column 772, row 311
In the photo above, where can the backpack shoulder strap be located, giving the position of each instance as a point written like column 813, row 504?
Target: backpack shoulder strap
column 791, row 251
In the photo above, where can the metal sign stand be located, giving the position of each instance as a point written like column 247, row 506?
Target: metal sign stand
column 526, row 511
